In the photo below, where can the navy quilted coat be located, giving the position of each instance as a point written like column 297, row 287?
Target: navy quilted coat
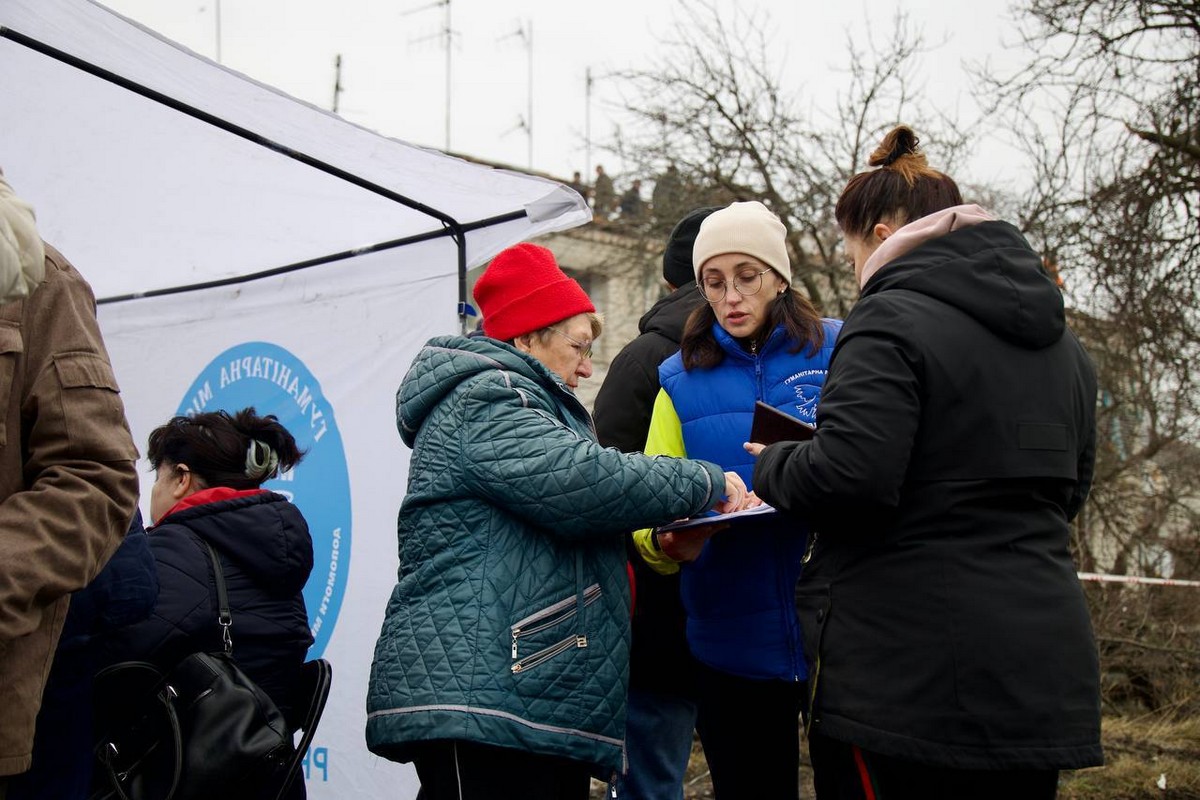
column 509, row 623
column 266, row 555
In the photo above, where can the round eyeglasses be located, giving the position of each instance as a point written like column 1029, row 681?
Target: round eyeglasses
column 714, row 287
column 583, row 349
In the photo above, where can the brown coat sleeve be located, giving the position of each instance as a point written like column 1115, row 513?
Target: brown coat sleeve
column 68, row 486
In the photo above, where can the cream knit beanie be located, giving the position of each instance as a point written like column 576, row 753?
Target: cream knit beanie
column 748, row 228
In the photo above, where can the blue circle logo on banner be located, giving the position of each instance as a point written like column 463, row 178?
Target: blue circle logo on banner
column 274, row 381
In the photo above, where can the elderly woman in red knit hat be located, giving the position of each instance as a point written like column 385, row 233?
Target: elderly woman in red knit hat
column 501, row 669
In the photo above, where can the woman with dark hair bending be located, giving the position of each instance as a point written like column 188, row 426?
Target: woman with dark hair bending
column 210, row 469
column 952, row 654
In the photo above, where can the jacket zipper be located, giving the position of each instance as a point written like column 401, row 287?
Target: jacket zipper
column 808, row 551
column 550, row 652
column 758, row 376
column 552, row 615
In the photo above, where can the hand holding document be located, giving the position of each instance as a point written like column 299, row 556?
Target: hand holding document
column 731, row 518
column 683, row 539
column 770, row 425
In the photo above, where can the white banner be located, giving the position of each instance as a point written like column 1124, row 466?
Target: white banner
column 326, row 357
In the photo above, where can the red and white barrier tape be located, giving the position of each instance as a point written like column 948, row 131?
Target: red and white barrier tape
column 1095, row 576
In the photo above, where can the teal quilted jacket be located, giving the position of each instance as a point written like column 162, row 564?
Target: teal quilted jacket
column 509, row 621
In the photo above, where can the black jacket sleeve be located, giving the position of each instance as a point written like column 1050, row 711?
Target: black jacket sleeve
column 625, row 401
column 1086, row 464
column 123, row 593
column 855, row 465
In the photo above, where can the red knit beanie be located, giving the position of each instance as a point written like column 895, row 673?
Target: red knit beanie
column 523, row 290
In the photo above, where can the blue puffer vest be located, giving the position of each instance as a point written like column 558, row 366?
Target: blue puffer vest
column 740, row 593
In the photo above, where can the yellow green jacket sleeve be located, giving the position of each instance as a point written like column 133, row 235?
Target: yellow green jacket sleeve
column 665, row 438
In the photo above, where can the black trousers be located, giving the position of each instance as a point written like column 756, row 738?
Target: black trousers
column 750, row 730
column 461, row 770
column 845, row 772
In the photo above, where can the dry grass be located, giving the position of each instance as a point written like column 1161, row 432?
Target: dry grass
column 1141, row 751
column 1138, row 751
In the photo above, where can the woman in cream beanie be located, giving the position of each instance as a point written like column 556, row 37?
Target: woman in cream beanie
column 747, row 228
column 754, row 339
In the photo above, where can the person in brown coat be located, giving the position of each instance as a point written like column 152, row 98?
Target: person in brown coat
column 68, row 486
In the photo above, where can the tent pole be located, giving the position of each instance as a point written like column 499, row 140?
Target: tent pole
column 461, row 241
column 228, row 127
column 500, row 219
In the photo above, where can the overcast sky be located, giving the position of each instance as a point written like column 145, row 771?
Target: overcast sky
column 394, row 63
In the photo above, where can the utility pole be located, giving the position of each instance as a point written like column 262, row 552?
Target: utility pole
column 447, row 35
column 337, row 81
column 217, row 16
column 529, row 118
column 587, row 125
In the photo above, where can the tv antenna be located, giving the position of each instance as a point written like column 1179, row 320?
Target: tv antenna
column 447, row 37
column 337, row 81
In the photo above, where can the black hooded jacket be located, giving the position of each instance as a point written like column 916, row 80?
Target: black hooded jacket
column 266, row 556
column 955, row 441
column 659, row 655
column 626, row 400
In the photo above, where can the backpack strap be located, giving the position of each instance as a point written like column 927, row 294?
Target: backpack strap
column 224, row 616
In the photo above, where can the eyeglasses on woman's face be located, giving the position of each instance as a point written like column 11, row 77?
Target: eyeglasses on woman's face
column 582, row 349
column 746, row 282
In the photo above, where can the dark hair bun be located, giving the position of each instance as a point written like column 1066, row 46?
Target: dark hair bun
column 240, row 450
column 901, row 141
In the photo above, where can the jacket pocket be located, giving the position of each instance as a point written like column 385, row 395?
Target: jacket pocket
column 93, row 415
column 11, row 347
column 540, row 636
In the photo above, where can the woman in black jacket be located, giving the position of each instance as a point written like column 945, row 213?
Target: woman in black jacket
column 952, row 653
column 210, row 469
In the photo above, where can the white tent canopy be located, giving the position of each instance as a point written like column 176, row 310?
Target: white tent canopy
column 249, row 249
column 156, row 167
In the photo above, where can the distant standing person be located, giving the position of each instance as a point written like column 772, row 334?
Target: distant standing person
column 501, row 666
column 632, row 204
column 662, row 679
column 667, row 197
column 952, row 652
column 577, row 185
column 603, row 195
